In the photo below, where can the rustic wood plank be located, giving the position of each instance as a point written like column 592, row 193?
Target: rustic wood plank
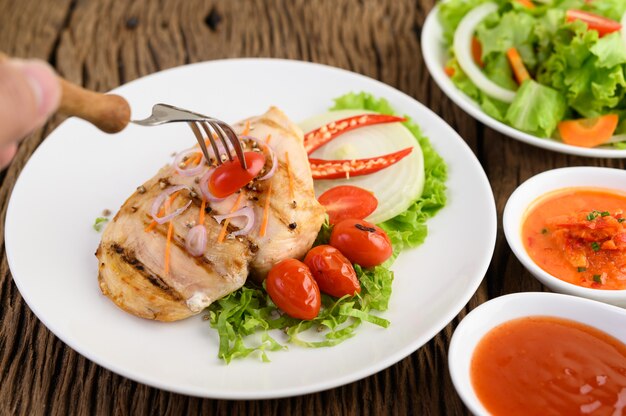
column 102, row 44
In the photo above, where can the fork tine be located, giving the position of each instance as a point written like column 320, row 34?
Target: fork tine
column 226, row 131
column 222, row 136
column 200, row 139
column 209, row 134
column 232, row 136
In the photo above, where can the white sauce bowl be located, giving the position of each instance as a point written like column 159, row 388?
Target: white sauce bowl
column 539, row 185
column 481, row 320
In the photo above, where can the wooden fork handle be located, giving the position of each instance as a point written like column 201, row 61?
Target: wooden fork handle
column 108, row 112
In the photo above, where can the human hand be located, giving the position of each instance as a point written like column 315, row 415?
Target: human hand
column 29, row 94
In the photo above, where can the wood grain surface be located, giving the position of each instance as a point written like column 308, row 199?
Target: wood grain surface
column 101, row 44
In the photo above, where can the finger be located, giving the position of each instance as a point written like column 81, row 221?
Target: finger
column 29, row 93
column 6, row 154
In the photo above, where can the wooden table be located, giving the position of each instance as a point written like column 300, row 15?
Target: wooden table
column 102, row 44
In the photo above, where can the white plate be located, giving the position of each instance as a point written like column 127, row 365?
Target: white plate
column 78, row 171
column 436, row 56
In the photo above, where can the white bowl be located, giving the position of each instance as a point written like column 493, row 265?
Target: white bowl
column 481, row 320
column 436, row 56
column 540, row 185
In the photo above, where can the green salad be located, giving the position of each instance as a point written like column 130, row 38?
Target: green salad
column 245, row 318
column 551, row 68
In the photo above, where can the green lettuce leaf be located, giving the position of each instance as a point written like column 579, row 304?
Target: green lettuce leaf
column 537, row 109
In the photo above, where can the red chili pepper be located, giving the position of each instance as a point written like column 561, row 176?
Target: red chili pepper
column 335, row 169
column 326, row 133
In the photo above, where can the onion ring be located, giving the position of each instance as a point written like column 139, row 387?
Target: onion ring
column 196, row 240
column 180, row 158
column 247, row 212
column 159, row 200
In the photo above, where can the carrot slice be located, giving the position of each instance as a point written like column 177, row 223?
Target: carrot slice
column 449, row 71
column 202, row 208
column 588, row 132
column 477, row 51
column 168, row 248
column 162, row 211
column 222, row 234
column 520, row 71
column 290, row 176
column 266, row 211
column 526, row 3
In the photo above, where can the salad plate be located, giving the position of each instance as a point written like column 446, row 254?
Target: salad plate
column 436, row 57
column 79, row 171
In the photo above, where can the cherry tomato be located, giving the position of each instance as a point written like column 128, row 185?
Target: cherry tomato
column 230, row 177
column 361, row 242
column 293, row 289
column 332, row 271
column 343, row 202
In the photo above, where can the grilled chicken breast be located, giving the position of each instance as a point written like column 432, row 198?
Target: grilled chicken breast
column 132, row 252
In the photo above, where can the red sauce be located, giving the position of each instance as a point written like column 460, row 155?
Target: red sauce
column 549, row 366
column 579, row 235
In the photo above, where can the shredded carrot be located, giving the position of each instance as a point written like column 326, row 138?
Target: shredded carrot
column 269, row 137
column 246, row 130
column 449, row 71
column 526, row 3
column 201, row 216
column 222, row 234
column 519, row 70
column 168, row 246
column 162, row 210
column 290, row 175
column 266, row 211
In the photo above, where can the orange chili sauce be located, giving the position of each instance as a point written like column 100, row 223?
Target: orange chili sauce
column 549, row 366
column 581, row 261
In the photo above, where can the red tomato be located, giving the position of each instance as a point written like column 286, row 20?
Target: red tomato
column 343, row 202
column 603, row 25
column 361, row 242
column 293, row 289
column 230, row 177
column 332, row 271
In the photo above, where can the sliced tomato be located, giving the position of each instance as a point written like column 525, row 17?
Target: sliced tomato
column 230, row 177
column 477, row 52
column 334, row 169
column 320, row 136
column 293, row 289
column 361, row 242
column 519, row 69
column 332, row 271
column 603, row 25
column 346, row 201
column 588, row 132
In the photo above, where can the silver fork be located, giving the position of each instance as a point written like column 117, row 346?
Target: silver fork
column 165, row 113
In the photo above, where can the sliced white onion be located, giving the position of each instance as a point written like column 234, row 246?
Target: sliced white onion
column 623, row 29
column 204, row 187
column 272, row 170
column 247, row 212
column 463, row 52
column 196, row 240
column 395, row 187
column 159, row 200
column 180, row 158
